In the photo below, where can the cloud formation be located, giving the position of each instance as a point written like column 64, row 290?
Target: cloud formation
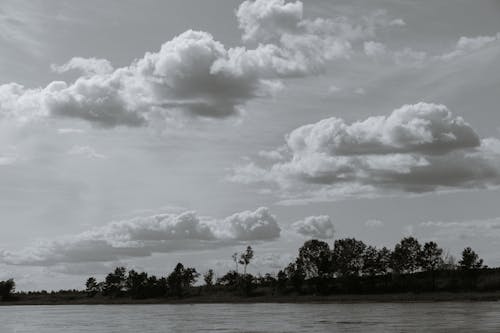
column 488, row 228
column 88, row 66
column 194, row 75
column 320, row 227
column 417, row 148
column 467, row 45
column 141, row 237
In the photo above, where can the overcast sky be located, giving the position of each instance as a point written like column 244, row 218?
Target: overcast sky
column 143, row 133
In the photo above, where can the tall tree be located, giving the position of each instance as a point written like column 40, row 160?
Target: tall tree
column 348, row 256
column 384, row 260
column 470, row 260
column 115, row 282
column 431, row 257
column 245, row 258
column 371, row 261
column 315, row 259
column 92, row 288
column 296, row 275
column 181, row 279
column 406, row 255
column 137, row 284
column 235, row 259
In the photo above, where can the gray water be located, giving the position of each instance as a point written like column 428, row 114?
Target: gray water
column 369, row 317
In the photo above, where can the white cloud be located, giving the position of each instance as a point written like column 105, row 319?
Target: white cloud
column 374, row 223
column 87, row 66
column 417, row 148
column 466, row 45
column 374, row 49
column 248, row 226
column 194, row 75
column 315, row 227
column 398, row 22
column 265, row 20
column 140, row 237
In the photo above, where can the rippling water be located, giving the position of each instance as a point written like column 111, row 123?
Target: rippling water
column 372, row 317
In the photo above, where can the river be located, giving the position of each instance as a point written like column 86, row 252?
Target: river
column 345, row 317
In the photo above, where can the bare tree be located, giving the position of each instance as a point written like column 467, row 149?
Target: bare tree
column 245, row 258
column 235, row 259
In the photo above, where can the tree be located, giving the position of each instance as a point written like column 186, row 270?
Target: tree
column 115, row 283
column 235, row 259
column 384, row 260
column 314, row 259
column 371, row 261
column 6, row 289
column 406, row 256
column 281, row 281
column 245, row 258
column 230, row 279
column 92, row 288
column 431, row 257
column 181, row 279
column 138, row 285
column 348, row 256
column 208, row 277
column 296, row 275
column 470, row 260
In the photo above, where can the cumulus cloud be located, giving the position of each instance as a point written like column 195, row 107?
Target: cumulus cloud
column 467, row 45
column 141, row 237
column 315, row 227
column 194, row 75
column 374, row 49
column 417, row 148
column 86, row 66
column 265, row 20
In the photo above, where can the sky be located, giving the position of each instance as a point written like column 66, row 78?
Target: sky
column 147, row 133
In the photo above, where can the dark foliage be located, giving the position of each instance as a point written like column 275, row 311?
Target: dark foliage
column 7, row 288
column 350, row 267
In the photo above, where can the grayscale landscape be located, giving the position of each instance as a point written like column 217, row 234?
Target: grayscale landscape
column 249, row 165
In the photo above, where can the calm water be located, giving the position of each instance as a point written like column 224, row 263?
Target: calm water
column 393, row 317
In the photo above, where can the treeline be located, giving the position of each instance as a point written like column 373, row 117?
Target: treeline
column 350, row 266
column 354, row 267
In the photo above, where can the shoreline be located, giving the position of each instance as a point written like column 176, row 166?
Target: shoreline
column 306, row 299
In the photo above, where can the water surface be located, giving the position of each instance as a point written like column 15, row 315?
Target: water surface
column 355, row 317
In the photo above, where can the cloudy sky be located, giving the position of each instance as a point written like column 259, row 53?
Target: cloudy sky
column 143, row 133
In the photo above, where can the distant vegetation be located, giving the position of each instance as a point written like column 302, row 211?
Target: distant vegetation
column 351, row 267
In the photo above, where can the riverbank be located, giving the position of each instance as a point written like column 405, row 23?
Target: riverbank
column 371, row 298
